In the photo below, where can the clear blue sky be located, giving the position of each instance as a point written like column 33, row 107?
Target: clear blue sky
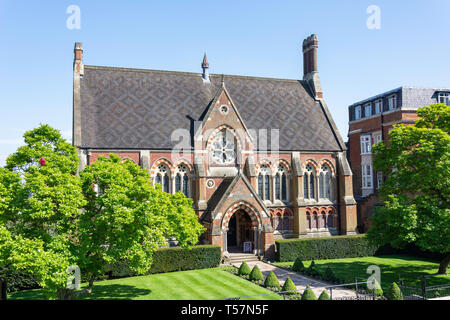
column 258, row 38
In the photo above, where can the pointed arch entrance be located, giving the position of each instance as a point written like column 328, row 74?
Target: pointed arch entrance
column 242, row 229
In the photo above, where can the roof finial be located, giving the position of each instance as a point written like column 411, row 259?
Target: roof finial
column 223, row 80
column 205, row 66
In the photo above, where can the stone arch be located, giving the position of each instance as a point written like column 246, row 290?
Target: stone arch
column 161, row 161
column 267, row 162
column 284, row 163
column 248, row 208
column 184, row 162
column 329, row 164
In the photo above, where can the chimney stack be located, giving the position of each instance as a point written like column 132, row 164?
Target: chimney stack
column 78, row 58
column 310, row 73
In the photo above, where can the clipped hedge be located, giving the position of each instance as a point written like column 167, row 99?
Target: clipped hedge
column 175, row 259
column 324, row 248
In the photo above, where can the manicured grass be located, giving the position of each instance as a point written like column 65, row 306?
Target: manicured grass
column 205, row 284
column 391, row 266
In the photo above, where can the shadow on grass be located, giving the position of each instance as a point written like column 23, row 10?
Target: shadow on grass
column 115, row 292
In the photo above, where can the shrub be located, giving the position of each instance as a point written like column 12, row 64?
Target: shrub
column 324, row 295
column 329, row 276
column 394, row 292
column 308, row 294
column 289, row 286
column 376, row 288
column 271, row 281
column 298, row 265
column 244, row 269
column 256, row 274
column 312, row 270
column 174, row 259
column 324, row 248
column 18, row 280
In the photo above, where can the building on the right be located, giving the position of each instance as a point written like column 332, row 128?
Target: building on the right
column 370, row 121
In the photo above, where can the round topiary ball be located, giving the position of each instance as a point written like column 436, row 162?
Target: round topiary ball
column 308, row 294
column 324, row 295
column 298, row 265
column 244, row 269
column 289, row 286
column 271, row 281
column 394, row 292
column 256, row 274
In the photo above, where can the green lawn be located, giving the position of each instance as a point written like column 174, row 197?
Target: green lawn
column 390, row 265
column 205, row 284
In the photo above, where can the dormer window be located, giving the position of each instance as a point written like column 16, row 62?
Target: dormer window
column 357, row 112
column 378, row 107
column 367, row 110
column 392, row 102
column 444, row 97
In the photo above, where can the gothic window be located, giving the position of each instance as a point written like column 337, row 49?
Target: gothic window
column 264, row 182
column 308, row 221
column 308, row 182
column 330, row 220
column 325, row 182
column 286, row 222
column 281, row 183
column 182, row 180
column 224, row 147
column 162, row 177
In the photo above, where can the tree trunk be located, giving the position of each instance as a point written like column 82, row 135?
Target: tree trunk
column 3, row 291
column 444, row 264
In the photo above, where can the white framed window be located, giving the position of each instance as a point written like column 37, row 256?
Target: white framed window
column 379, row 179
column 444, row 97
column 368, row 110
column 392, row 102
column 367, row 176
column 325, row 182
column 264, row 182
column 308, row 182
column 376, row 138
column 281, row 183
column 378, row 106
column 357, row 112
column 366, row 146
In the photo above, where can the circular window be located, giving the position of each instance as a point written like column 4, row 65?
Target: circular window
column 223, row 147
column 223, row 109
column 210, row 183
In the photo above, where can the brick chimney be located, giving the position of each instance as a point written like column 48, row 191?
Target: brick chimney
column 78, row 58
column 310, row 73
column 78, row 72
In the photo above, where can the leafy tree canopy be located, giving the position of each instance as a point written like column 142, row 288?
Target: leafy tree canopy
column 416, row 192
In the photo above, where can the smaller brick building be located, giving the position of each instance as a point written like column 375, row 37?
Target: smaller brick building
column 370, row 121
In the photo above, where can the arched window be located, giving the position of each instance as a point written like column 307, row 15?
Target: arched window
column 308, row 182
column 162, row 177
column 279, row 224
column 223, row 147
column 182, row 180
column 286, row 222
column 325, row 182
column 264, row 182
column 281, row 183
column 315, row 221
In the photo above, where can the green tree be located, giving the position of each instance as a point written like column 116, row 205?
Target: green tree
column 40, row 201
column 324, row 295
column 244, row 269
column 289, row 286
column 256, row 274
column 126, row 218
column 271, row 281
column 298, row 265
column 416, row 191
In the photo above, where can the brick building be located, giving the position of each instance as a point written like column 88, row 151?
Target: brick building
column 370, row 122
column 260, row 157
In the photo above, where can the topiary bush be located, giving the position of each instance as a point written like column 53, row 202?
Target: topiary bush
column 312, row 270
column 272, row 281
column 335, row 247
column 329, row 276
column 394, row 292
column 298, row 265
column 308, row 294
column 324, row 295
column 244, row 269
column 289, row 286
column 256, row 275
column 376, row 288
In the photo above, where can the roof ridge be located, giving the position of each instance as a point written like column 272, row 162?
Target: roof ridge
column 125, row 69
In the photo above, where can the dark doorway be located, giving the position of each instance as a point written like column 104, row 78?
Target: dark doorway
column 231, row 234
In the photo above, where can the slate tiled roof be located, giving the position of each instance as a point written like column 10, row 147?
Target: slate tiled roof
column 139, row 109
